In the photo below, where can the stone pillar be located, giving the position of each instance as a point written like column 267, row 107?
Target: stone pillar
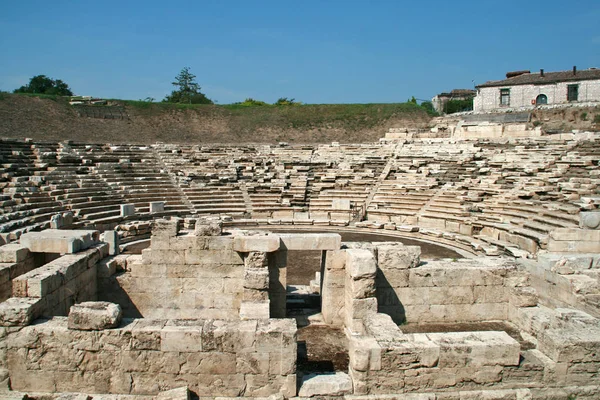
column 278, row 283
column 361, row 269
column 127, row 210
column 332, row 290
column 157, row 206
column 255, row 303
column 112, row 238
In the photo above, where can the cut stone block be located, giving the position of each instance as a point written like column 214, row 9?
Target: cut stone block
column 398, row 256
column 60, row 241
column 127, row 210
column 311, row 241
column 182, row 393
column 254, row 310
column 112, row 238
column 262, row 243
column 13, row 253
column 19, row 311
column 94, row 315
column 157, row 206
column 208, row 227
column 331, row 384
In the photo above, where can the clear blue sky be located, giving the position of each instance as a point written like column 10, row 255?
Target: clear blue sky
column 324, row 51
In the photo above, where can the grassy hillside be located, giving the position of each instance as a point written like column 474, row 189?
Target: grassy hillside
column 52, row 118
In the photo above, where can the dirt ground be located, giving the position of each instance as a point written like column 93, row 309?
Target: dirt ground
column 322, row 349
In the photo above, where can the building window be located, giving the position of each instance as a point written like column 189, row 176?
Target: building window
column 572, row 92
column 541, row 99
column 505, row 97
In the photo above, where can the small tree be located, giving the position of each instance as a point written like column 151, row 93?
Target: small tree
column 188, row 90
column 428, row 106
column 41, row 84
column 284, row 101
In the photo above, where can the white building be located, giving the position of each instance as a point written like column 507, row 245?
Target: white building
column 522, row 89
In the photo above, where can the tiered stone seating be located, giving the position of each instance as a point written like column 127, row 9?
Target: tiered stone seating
column 25, row 207
column 136, row 174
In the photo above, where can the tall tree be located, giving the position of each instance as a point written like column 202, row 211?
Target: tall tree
column 41, row 84
column 188, row 90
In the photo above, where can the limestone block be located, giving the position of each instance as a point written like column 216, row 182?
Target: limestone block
column 181, row 336
column 256, row 278
column 335, row 259
column 571, row 345
column 181, row 393
column 13, row 253
column 94, row 315
column 256, row 259
column 163, row 228
column 311, row 241
column 523, row 297
column 398, row 256
column 20, row 311
column 463, row 349
column 574, row 234
column 112, row 238
column 127, row 210
column 361, row 308
column 156, row 206
column 340, row 204
column 589, row 220
column 409, row 351
column 255, row 310
column 331, row 384
column 208, row 227
column 361, row 288
column 59, row 241
column 364, row 353
column 360, row 264
column 262, row 243
column 572, row 265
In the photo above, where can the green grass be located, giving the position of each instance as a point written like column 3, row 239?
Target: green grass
column 246, row 118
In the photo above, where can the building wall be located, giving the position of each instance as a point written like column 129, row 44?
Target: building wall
column 488, row 98
column 254, row 358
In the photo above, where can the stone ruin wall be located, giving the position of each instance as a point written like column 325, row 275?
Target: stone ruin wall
column 194, row 301
column 252, row 355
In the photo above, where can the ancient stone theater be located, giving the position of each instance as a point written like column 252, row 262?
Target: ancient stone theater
column 418, row 267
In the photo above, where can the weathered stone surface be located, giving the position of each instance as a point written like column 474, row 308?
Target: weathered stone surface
column 13, row 253
column 360, row 264
column 311, row 241
column 127, row 210
column 208, row 227
column 256, row 278
column 182, row 393
column 60, row 241
column 259, row 243
column 94, row 315
column 19, row 311
column 332, row 384
column 256, row 259
column 589, row 220
column 254, row 310
column 398, row 256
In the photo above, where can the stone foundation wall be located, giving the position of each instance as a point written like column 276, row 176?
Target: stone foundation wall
column 15, row 260
column 387, row 361
column 213, row 358
column 183, row 277
column 59, row 284
column 442, row 291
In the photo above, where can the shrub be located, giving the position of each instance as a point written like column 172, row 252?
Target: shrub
column 583, row 116
column 597, row 119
